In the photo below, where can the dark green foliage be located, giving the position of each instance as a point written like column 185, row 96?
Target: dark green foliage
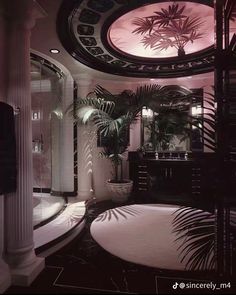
column 113, row 114
column 165, row 125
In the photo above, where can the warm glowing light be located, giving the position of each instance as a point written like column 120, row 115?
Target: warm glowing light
column 196, row 110
column 148, row 113
column 35, row 115
column 54, row 51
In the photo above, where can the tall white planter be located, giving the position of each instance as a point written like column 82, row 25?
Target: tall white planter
column 120, row 192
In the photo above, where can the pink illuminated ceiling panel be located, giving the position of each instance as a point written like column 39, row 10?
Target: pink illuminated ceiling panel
column 163, row 30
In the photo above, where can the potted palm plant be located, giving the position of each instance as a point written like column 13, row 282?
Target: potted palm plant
column 112, row 115
column 113, row 121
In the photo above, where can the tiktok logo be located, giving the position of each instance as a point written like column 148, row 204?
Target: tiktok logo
column 175, row 286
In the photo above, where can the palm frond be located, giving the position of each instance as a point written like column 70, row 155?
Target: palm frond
column 165, row 16
column 195, row 230
column 152, row 40
column 168, row 27
column 103, row 93
column 146, row 93
column 144, row 25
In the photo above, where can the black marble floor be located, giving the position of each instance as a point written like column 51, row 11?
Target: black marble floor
column 84, row 267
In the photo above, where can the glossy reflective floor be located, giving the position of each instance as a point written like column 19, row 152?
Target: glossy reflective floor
column 45, row 207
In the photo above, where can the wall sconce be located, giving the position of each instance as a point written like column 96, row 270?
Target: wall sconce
column 196, row 110
column 16, row 111
column 147, row 113
column 199, row 126
column 37, row 146
column 35, row 115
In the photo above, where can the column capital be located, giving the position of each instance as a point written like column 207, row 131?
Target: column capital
column 23, row 13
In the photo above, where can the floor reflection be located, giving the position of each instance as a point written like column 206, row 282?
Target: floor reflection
column 46, row 206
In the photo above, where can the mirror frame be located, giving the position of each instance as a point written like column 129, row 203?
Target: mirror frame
column 196, row 99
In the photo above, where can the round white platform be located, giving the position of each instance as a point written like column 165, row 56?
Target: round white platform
column 141, row 234
column 45, row 206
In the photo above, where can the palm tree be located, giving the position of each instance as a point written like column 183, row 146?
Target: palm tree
column 113, row 115
column 168, row 28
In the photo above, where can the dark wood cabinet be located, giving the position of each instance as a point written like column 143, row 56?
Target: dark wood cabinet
column 170, row 178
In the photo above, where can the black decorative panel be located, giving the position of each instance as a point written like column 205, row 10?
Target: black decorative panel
column 89, row 17
column 149, row 68
column 88, row 41
column 105, row 57
column 83, row 28
column 122, row 2
column 119, row 63
column 101, row 5
column 133, row 67
column 95, row 50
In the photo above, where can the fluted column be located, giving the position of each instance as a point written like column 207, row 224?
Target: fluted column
column 85, row 136
column 5, row 278
column 20, row 255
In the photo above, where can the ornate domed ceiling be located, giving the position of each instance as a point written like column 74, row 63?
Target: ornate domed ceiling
column 133, row 38
column 163, row 29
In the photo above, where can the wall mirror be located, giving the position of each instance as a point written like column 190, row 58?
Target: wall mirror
column 167, row 127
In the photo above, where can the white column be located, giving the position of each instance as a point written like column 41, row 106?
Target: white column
column 85, row 136
column 5, row 278
column 20, row 255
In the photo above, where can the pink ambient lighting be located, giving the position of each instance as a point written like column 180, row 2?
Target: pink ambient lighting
column 122, row 37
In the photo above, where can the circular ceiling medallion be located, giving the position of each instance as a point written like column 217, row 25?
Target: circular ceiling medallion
column 159, row 39
column 159, row 30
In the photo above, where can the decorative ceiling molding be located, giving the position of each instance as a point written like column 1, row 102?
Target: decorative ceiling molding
column 47, row 63
column 83, row 26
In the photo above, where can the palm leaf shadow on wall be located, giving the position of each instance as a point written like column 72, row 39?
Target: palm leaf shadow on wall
column 168, row 27
column 119, row 213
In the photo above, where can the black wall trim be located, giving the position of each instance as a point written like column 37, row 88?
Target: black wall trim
column 41, row 190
